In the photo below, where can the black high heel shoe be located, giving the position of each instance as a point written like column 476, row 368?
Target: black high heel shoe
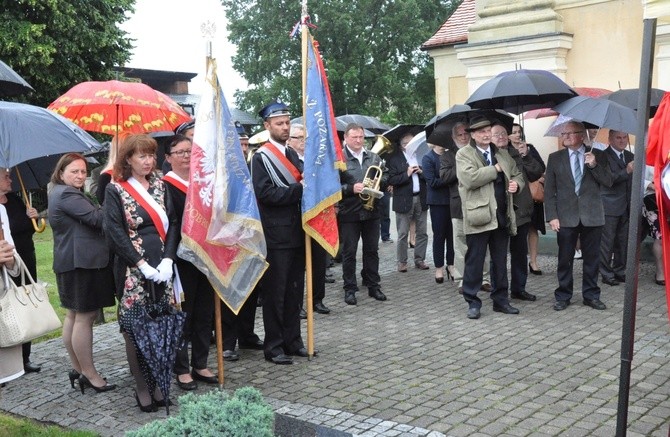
column 84, row 382
column 151, row 408
column 450, row 273
column 533, row 271
column 73, row 375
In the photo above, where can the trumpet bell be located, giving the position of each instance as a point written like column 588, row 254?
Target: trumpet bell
column 382, row 145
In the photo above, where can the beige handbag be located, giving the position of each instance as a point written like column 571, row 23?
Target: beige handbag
column 25, row 310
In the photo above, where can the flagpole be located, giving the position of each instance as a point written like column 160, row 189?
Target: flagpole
column 308, row 240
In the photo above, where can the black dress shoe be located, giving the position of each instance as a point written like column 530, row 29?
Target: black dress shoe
column 280, row 359
column 302, row 352
column 610, row 281
column 620, row 278
column 473, row 313
column 256, row 344
column 505, row 309
column 350, row 298
column 31, row 367
column 229, row 355
column 487, row 288
column 188, row 386
column 320, row 308
column 303, row 314
column 524, row 295
column 596, row 304
column 377, row 294
column 560, row 305
column 207, row 379
column 659, row 281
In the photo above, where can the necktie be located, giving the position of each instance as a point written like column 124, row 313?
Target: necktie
column 577, row 171
column 622, row 158
column 486, row 158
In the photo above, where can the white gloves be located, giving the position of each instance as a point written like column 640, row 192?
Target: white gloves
column 165, row 270
column 149, row 272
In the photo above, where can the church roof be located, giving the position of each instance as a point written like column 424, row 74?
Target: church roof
column 455, row 29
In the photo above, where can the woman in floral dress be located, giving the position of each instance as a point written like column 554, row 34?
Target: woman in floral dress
column 142, row 232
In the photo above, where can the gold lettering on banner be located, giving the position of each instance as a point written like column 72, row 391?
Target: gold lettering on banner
column 196, row 216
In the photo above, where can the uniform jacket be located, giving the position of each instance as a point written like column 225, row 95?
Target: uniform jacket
column 351, row 206
column 77, row 224
column 279, row 206
column 403, row 185
column 616, row 199
column 476, row 186
column 560, row 200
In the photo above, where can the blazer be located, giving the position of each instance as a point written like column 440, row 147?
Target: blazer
column 476, row 185
column 278, row 204
column 350, row 208
column 449, row 176
column 616, row 199
column 403, row 186
column 560, row 200
column 437, row 191
column 79, row 242
column 531, row 170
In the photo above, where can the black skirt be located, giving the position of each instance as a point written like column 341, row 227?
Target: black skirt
column 86, row 290
column 537, row 218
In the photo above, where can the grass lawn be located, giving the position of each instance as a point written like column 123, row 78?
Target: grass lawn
column 15, row 427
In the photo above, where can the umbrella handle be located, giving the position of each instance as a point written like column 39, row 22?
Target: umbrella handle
column 43, row 224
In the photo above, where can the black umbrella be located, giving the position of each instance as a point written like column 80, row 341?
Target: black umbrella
column 11, row 84
column 628, row 98
column 157, row 335
column 370, row 123
column 398, row 131
column 464, row 113
column 340, row 126
column 599, row 112
column 520, row 91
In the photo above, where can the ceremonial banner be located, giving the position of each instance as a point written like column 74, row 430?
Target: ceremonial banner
column 221, row 231
column 323, row 157
column 658, row 155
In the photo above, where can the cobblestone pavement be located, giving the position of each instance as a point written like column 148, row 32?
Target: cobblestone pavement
column 415, row 365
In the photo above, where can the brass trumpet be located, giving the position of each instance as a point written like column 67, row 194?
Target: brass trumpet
column 372, row 181
column 382, row 146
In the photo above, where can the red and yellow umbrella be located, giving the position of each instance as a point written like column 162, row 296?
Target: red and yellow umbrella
column 113, row 107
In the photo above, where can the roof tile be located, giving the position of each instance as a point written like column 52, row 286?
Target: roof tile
column 455, row 29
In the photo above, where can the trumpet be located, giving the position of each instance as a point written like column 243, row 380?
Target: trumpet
column 372, row 181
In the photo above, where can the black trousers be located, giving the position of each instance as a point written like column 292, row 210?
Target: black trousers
column 319, row 262
column 613, row 246
column 350, row 233
column 443, row 235
column 496, row 241
column 283, row 285
column 198, row 306
column 589, row 236
column 518, row 249
column 240, row 327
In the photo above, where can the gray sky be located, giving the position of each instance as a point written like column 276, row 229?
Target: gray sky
column 168, row 37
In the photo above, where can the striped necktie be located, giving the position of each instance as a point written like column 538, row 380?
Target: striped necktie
column 577, row 170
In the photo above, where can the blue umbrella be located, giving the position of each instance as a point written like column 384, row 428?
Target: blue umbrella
column 11, row 84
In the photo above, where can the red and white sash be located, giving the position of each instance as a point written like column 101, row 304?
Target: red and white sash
column 176, row 180
column 142, row 196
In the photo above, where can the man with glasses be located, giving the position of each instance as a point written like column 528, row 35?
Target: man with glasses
column 574, row 178
column 487, row 178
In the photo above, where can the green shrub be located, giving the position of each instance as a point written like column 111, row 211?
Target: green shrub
column 215, row 413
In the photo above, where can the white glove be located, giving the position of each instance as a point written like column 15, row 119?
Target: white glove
column 149, row 272
column 165, row 270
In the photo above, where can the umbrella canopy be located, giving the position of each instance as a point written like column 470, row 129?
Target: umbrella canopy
column 157, row 335
column 464, row 113
column 399, row 130
column 582, row 91
column 28, row 132
column 628, row 98
column 11, row 84
column 368, row 122
column 520, row 91
column 114, row 106
column 557, row 126
column 599, row 112
column 418, row 146
column 340, row 126
column 36, row 173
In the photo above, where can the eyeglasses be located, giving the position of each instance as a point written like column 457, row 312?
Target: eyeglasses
column 567, row 134
column 298, row 138
column 181, row 153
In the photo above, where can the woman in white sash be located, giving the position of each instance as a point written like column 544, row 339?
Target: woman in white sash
column 142, row 232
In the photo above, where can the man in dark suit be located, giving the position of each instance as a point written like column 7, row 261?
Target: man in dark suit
column 574, row 209
column 276, row 174
column 409, row 203
column 616, row 203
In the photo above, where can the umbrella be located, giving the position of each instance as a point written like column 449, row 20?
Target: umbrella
column 28, row 132
column 599, row 112
column 114, row 106
column 157, row 335
column 628, row 98
column 11, row 84
column 464, row 113
column 36, row 173
column 557, row 126
column 399, row 130
column 582, row 91
column 520, row 91
column 367, row 122
column 418, row 146
column 340, row 126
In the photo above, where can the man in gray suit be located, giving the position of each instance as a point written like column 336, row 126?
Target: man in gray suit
column 616, row 202
column 574, row 209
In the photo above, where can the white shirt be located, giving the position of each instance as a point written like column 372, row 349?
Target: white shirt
column 358, row 155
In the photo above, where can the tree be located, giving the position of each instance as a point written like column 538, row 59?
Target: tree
column 55, row 44
column 370, row 50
